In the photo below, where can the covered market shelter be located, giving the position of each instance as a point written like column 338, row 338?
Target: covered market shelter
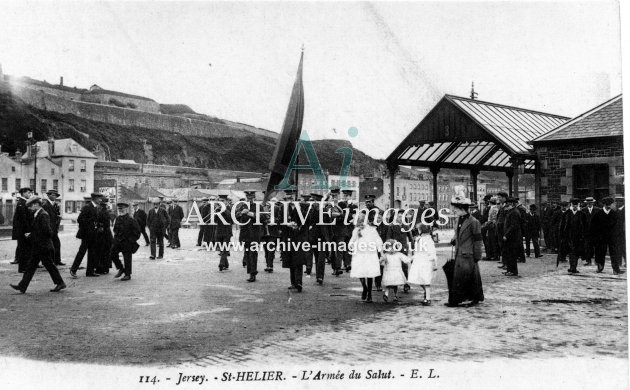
column 470, row 134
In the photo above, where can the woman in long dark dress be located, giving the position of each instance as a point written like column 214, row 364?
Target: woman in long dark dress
column 466, row 279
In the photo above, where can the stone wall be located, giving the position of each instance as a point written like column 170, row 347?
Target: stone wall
column 128, row 117
column 138, row 104
column 557, row 161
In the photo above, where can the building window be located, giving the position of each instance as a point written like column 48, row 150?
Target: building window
column 18, row 184
column 44, row 185
column 83, row 166
column 5, row 184
column 71, row 185
column 55, row 184
column 82, row 189
column 52, row 171
column 591, row 180
column 70, row 165
column 72, row 206
column 13, row 169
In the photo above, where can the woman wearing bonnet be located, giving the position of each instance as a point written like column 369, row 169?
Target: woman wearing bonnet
column 466, row 283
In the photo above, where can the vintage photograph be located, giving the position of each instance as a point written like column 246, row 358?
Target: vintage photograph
column 306, row 195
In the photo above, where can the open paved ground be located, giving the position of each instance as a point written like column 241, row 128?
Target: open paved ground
column 182, row 312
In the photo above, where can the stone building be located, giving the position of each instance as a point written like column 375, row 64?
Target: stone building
column 584, row 156
column 99, row 95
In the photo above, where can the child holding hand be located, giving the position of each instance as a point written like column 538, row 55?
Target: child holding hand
column 393, row 275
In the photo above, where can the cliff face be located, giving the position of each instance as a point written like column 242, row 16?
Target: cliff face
column 245, row 151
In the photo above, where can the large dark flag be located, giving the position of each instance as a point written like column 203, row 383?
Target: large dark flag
column 290, row 134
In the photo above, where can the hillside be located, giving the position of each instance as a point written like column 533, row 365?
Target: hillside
column 249, row 153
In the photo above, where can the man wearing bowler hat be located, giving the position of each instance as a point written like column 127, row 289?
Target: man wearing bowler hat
column 603, row 229
column 22, row 220
column 88, row 231
column 42, row 248
column 126, row 233
column 572, row 231
column 589, row 245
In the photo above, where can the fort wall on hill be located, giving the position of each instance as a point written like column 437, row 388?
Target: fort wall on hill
column 44, row 100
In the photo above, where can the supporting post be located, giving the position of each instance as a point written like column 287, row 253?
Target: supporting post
column 392, row 169
column 435, row 171
column 473, row 180
column 537, row 183
column 515, row 163
column 509, row 174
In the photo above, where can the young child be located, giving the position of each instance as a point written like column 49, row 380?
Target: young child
column 423, row 263
column 393, row 275
column 365, row 245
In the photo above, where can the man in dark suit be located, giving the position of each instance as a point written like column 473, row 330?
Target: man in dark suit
column 621, row 229
column 603, row 230
column 88, row 231
column 42, row 248
column 589, row 245
column 22, row 220
column 126, row 234
column 501, row 215
column 572, row 234
column 202, row 204
column 209, row 230
column 532, row 234
column 140, row 216
column 175, row 215
column 250, row 234
column 512, row 237
column 157, row 220
column 223, row 232
column 52, row 208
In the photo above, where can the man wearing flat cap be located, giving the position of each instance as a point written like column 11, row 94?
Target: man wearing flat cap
column 42, row 248
column 126, row 235
column 603, row 229
column 572, row 231
column 52, row 208
column 22, row 220
column 589, row 245
column 88, row 220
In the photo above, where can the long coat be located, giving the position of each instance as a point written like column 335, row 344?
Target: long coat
column 141, row 217
column 103, row 238
column 22, row 219
column 157, row 220
column 126, row 233
column 250, row 231
column 41, row 236
column 52, row 209
column 603, row 227
column 87, row 222
column 466, row 284
column 223, row 231
column 572, row 231
column 176, row 215
column 298, row 234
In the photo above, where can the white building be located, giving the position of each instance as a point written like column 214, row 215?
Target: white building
column 63, row 165
column 409, row 192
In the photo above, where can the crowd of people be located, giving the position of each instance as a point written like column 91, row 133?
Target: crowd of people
column 384, row 251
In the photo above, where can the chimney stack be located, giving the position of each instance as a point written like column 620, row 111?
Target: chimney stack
column 61, row 81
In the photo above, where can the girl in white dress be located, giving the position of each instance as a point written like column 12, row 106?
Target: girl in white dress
column 393, row 275
column 365, row 246
column 424, row 262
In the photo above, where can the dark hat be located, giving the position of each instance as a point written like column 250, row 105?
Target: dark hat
column 24, row 189
column 370, row 197
column 34, row 199
column 52, row 192
column 86, row 198
column 95, row 195
column 347, row 192
column 204, row 199
column 512, row 199
column 503, row 194
column 564, row 203
column 533, row 207
column 250, row 192
column 334, row 190
column 487, row 197
column 169, row 201
column 122, row 205
column 590, row 199
column 608, row 200
column 105, row 200
column 289, row 192
column 316, row 196
column 575, row 201
column 224, row 197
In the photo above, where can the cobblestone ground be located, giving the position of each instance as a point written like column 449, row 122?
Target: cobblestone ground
column 182, row 312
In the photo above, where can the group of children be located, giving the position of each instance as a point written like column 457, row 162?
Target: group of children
column 371, row 255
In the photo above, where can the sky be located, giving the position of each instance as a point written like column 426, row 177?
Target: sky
column 379, row 67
